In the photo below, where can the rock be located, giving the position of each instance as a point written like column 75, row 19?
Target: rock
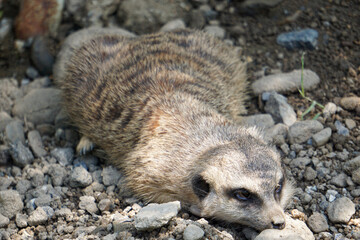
column 310, row 174
column 32, row 73
column 340, row 180
column 57, row 173
column 37, row 217
column 9, row 92
column 39, row 105
column 38, row 17
column 329, row 110
column 300, row 132
column 22, row 186
column 285, row 82
column 156, row 215
column 5, row 119
column 110, row 176
column 197, row 19
column 193, row 232
column 317, row 222
column 341, row 210
column 280, row 110
column 10, row 203
column 303, row 39
column 42, row 82
column 350, row 103
column 21, row 155
column 88, row 203
column 352, row 165
column 262, row 121
column 14, row 132
column 341, row 129
column 172, row 25
column 41, row 56
column 4, row 221
column 356, row 176
column 62, row 119
column 5, row 156
column 300, row 163
column 63, row 155
column 21, row 220
column 145, row 16
column 5, row 27
column 215, row 31
column 105, row 205
column 253, row 6
column 277, row 130
column 36, row 144
column 63, row 212
column 322, row 137
column 80, row 177
column 294, row 230
column 350, row 124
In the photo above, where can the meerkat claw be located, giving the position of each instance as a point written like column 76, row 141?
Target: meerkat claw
column 84, row 146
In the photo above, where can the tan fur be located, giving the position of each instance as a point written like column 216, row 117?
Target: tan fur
column 166, row 110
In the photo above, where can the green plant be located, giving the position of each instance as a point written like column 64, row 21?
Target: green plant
column 302, row 93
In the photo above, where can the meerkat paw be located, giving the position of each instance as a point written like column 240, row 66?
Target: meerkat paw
column 84, row 146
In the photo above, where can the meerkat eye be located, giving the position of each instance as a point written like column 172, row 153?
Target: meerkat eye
column 242, row 194
column 278, row 189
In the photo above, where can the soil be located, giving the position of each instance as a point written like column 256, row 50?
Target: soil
column 336, row 58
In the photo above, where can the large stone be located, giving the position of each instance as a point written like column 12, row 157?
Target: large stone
column 301, row 131
column 21, row 155
column 280, row 110
column 80, row 177
column 10, row 203
column 341, row 210
column 36, row 143
column 39, row 105
column 322, row 137
column 145, row 16
column 14, row 132
column 285, row 82
column 156, row 215
column 294, row 230
column 318, row 223
column 302, row 39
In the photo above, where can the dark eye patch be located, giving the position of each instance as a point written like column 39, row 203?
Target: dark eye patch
column 278, row 189
column 200, row 187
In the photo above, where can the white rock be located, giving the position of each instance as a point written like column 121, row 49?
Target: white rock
column 37, row 217
column 193, row 232
column 80, row 177
column 294, row 230
column 10, row 203
column 329, row 109
column 4, row 221
column 322, row 137
column 172, row 25
column 215, row 31
column 341, row 210
column 156, row 215
column 285, row 82
column 88, row 203
column 301, row 131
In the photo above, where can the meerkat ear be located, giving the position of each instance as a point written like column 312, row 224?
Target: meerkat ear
column 200, row 186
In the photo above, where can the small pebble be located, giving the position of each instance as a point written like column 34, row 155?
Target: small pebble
column 80, row 177
column 215, row 31
column 21, row 220
column 193, row 232
column 301, row 131
column 88, row 203
column 317, row 222
column 280, row 110
column 21, row 155
column 303, row 39
column 322, row 137
column 14, row 132
column 36, row 144
column 4, row 221
column 63, row 155
column 37, row 217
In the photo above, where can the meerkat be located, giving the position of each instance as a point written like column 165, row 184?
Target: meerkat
column 166, row 108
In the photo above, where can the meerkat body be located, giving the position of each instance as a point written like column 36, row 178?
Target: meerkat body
column 166, row 110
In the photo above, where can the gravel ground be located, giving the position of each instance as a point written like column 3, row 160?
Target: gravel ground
column 48, row 192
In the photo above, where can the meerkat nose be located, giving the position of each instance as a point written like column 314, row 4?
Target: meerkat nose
column 278, row 222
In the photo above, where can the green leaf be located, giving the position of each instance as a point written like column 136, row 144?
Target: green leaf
column 313, row 104
column 316, row 116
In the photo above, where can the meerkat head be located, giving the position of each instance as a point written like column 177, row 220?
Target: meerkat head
column 242, row 182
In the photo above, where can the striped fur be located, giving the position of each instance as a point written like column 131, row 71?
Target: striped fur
column 157, row 104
